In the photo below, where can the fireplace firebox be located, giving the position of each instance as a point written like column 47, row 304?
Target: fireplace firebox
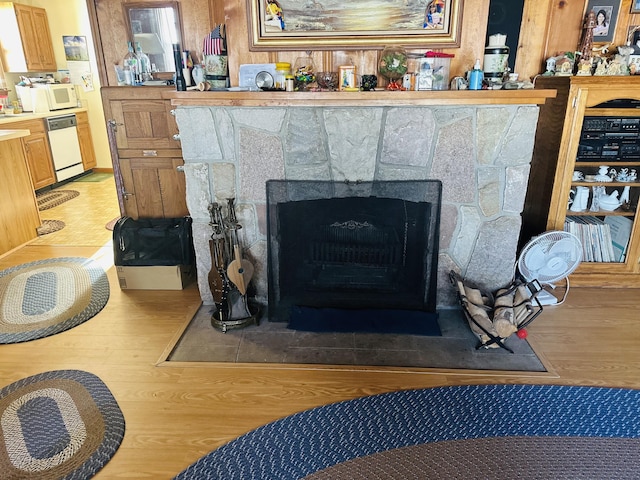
column 366, row 245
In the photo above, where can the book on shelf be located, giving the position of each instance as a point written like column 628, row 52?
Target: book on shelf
column 620, row 231
column 595, row 236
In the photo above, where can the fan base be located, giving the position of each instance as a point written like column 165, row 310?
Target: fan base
column 546, row 298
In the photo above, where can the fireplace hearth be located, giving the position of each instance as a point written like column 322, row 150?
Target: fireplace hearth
column 369, row 245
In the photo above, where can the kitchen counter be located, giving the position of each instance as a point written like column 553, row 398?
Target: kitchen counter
column 12, row 134
column 4, row 118
column 19, row 214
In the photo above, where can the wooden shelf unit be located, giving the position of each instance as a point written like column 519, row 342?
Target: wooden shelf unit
column 584, row 94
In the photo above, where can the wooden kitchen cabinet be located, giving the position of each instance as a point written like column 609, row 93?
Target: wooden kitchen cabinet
column 146, row 156
column 26, row 39
column 601, row 128
column 37, row 151
column 19, row 215
column 86, row 141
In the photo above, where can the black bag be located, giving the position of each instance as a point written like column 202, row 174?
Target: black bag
column 153, row 241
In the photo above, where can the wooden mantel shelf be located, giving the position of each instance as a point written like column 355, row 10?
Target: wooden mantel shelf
column 363, row 99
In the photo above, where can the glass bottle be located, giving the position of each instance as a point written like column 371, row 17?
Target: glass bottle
column 282, row 70
column 131, row 67
column 144, row 62
column 303, row 73
column 181, row 82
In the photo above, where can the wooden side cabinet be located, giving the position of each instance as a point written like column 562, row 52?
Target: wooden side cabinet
column 146, row 156
column 26, row 38
column 601, row 129
column 37, row 151
column 86, row 141
column 19, row 215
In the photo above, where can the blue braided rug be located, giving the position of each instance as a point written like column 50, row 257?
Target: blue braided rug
column 46, row 297
column 486, row 431
column 62, row 424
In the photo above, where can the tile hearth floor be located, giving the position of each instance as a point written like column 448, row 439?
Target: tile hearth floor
column 273, row 342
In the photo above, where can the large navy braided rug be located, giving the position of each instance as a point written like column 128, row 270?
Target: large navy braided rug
column 63, row 424
column 485, row 431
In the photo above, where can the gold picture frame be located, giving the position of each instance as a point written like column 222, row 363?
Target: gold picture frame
column 350, row 24
column 347, row 78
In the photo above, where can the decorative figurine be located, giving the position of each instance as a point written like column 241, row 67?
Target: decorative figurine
column 551, row 66
column 584, row 64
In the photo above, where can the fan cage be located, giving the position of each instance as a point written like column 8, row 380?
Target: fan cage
column 543, row 244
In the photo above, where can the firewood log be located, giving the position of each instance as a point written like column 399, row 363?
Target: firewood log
column 503, row 317
column 522, row 304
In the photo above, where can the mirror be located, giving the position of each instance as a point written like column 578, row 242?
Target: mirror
column 156, row 25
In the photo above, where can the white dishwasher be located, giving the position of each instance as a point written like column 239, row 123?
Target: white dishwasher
column 65, row 148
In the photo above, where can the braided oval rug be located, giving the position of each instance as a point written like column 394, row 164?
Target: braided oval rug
column 46, row 297
column 63, row 424
column 478, row 431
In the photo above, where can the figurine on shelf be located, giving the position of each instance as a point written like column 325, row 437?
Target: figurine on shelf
column 603, row 174
column 551, row 66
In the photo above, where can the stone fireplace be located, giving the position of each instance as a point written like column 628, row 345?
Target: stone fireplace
column 479, row 148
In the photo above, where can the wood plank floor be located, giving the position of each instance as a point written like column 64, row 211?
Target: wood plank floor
column 177, row 413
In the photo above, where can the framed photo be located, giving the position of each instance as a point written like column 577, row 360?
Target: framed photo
column 606, row 18
column 635, row 6
column 75, row 48
column 347, row 78
column 353, row 24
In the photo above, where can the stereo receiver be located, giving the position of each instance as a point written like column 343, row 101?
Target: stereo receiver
column 611, row 139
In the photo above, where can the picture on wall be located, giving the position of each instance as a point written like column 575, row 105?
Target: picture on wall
column 635, row 6
column 325, row 24
column 606, row 18
column 75, row 48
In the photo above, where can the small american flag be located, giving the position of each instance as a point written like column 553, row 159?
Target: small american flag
column 214, row 42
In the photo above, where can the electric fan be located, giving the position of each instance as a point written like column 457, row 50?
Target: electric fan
column 548, row 258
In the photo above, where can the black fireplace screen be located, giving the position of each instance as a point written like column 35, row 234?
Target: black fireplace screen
column 370, row 245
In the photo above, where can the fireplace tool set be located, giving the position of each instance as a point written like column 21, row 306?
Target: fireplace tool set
column 230, row 272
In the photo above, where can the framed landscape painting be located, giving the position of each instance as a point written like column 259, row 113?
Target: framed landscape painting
column 353, row 24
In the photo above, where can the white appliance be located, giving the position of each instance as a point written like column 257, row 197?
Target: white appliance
column 249, row 71
column 34, row 100
column 59, row 95
column 548, row 258
column 65, row 147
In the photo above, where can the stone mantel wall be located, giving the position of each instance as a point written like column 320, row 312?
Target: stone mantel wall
column 480, row 152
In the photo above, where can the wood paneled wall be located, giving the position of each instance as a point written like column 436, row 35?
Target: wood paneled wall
column 548, row 28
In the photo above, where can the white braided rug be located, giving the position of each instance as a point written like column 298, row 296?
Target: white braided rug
column 63, row 424
column 46, row 297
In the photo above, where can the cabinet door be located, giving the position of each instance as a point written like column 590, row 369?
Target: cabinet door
column 39, row 160
column 86, row 141
column 29, row 37
column 154, row 188
column 143, row 124
column 43, row 42
column 35, row 36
